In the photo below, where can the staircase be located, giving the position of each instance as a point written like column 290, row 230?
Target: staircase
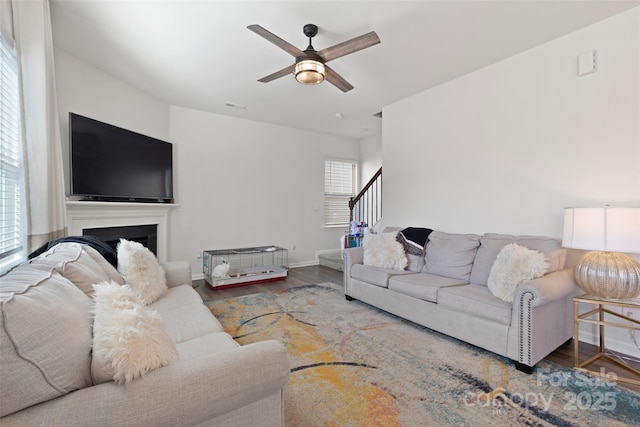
column 332, row 259
column 365, row 206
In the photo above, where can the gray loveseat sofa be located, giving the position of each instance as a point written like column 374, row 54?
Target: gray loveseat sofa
column 450, row 295
column 46, row 355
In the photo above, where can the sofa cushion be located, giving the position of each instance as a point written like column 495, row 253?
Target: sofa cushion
column 476, row 301
column 451, row 255
column 45, row 337
column 141, row 270
column 491, row 244
column 205, row 345
column 188, row 321
column 81, row 264
column 422, row 286
column 375, row 275
column 129, row 338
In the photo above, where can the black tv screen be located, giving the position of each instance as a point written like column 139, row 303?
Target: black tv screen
column 114, row 164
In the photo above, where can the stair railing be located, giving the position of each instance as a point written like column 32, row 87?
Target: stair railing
column 367, row 204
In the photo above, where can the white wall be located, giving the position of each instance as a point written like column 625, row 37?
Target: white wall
column 85, row 90
column 370, row 157
column 506, row 148
column 244, row 183
column 238, row 183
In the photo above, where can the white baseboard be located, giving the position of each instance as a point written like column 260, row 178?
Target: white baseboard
column 303, row 264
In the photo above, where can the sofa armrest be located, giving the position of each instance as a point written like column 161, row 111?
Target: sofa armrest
column 551, row 287
column 351, row 256
column 542, row 317
column 177, row 273
column 187, row 393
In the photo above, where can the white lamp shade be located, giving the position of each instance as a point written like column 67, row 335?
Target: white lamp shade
column 602, row 229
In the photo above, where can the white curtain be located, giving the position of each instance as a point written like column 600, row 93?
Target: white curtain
column 44, row 179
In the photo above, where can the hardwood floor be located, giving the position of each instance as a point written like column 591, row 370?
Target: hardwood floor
column 296, row 277
column 317, row 274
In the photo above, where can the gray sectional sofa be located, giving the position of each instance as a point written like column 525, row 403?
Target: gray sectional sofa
column 450, row 295
column 46, row 372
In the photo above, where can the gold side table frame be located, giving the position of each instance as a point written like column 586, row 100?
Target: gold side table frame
column 600, row 311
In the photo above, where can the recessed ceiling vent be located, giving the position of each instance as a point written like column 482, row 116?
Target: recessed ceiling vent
column 234, row 105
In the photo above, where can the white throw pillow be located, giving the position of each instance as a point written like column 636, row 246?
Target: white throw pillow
column 141, row 270
column 129, row 339
column 514, row 265
column 384, row 251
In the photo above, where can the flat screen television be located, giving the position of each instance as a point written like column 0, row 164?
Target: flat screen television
column 109, row 163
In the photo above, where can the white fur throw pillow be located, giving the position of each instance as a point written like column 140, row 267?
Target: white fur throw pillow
column 514, row 265
column 383, row 250
column 129, row 339
column 141, row 270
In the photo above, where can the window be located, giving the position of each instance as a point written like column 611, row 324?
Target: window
column 12, row 233
column 339, row 186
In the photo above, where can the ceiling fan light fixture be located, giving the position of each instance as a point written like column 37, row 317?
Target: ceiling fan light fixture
column 309, row 71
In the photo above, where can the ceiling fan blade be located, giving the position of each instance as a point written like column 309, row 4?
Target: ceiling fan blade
column 278, row 74
column 286, row 46
column 336, row 80
column 350, row 46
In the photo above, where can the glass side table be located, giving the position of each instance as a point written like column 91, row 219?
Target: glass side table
column 599, row 314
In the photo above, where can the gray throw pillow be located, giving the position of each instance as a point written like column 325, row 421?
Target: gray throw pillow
column 451, row 255
column 492, row 243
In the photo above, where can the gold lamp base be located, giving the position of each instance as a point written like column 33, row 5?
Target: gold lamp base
column 609, row 275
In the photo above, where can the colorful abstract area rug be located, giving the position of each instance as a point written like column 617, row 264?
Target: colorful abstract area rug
column 354, row 365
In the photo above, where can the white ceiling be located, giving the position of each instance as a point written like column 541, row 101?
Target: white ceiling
column 200, row 55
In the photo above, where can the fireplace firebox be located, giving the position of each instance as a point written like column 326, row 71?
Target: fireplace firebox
column 147, row 235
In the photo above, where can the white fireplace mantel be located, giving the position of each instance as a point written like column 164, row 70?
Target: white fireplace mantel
column 87, row 214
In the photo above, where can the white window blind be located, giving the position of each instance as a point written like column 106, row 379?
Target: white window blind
column 11, row 194
column 339, row 187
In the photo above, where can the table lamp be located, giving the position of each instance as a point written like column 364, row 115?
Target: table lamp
column 605, row 272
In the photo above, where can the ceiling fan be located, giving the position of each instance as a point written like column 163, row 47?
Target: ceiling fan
column 310, row 66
